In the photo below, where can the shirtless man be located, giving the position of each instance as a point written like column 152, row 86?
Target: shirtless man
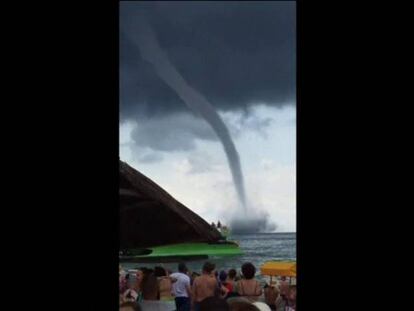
column 204, row 285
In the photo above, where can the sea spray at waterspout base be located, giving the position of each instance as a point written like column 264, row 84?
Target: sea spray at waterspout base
column 251, row 220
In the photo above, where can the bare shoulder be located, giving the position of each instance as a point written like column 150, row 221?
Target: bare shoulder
column 213, row 280
column 196, row 280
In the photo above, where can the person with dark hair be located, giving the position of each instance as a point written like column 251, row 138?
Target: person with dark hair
column 181, row 288
column 249, row 287
column 214, row 303
column 159, row 271
column 150, row 289
column 205, row 285
column 164, row 284
column 151, row 293
column 231, row 283
column 143, row 269
column 248, row 270
column 223, row 282
column 209, row 267
column 129, row 306
column 221, row 290
column 231, row 276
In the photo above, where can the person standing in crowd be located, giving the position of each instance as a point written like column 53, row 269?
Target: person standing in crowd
column 249, row 287
column 123, row 280
column 221, row 290
column 193, row 277
column 150, row 290
column 164, row 284
column 291, row 298
column 123, row 283
column 134, row 287
column 181, row 288
column 130, row 295
column 284, row 287
column 271, row 294
column 139, row 277
column 223, row 282
column 231, row 278
column 151, row 295
column 204, row 285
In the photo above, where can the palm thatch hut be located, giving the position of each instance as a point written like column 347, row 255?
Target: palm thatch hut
column 149, row 216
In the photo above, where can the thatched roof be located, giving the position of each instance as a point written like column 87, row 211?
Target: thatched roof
column 149, row 216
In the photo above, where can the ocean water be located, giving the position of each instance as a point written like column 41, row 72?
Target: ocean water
column 257, row 249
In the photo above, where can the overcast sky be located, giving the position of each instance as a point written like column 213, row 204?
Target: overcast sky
column 241, row 57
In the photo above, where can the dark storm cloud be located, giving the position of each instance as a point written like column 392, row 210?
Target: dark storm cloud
column 173, row 133
column 235, row 53
column 179, row 131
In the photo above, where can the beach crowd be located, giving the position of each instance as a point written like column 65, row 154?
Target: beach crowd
column 158, row 289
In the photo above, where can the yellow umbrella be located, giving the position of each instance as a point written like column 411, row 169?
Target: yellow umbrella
column 279, row 268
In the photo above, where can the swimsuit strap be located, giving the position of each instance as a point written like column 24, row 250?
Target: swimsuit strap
column 251, row 295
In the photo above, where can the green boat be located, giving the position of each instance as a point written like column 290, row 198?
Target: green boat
column 181, row 251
